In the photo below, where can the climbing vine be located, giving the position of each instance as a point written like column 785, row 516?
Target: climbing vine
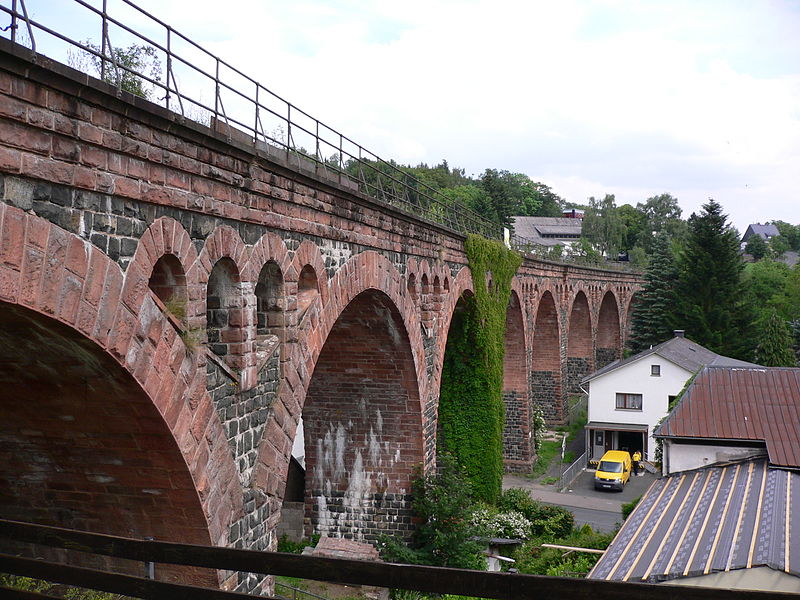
column 471, row 400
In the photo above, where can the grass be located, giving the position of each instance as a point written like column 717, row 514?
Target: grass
column 549, row 450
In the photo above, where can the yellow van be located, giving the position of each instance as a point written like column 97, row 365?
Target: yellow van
column 613, row 470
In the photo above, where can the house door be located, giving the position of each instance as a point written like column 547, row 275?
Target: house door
column 609, row 445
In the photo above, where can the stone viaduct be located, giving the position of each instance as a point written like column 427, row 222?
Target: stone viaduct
column 173, row 304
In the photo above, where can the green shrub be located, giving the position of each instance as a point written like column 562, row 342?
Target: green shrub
column 534, row 560
column 287, row 545
column 443, row 504
column 627, row 508
column 518, row 499
column 552, row 522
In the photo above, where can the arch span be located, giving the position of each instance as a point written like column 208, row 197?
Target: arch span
column 608, row 331
column 517, row 450
column 580, row 355
column 546, row 359
column 76, row 321
column 362, row 424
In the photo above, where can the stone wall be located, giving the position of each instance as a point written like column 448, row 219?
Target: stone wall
column 545, row 394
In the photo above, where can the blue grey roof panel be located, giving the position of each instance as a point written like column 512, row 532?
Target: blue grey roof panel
column 722, row 518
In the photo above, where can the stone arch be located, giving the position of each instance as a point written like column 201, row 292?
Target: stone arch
column 164, row 254
column 608, row 343
column 580, row 348
column 85, row 328
column 546, row 361
column 362, row 273
column 517, row 449
column 461, row 283
column 371, row 328
column 312, row 278
column 628, row 330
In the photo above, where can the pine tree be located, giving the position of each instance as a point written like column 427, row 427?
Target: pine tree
column 774, row 347
column 711, row 303
column 653, row 318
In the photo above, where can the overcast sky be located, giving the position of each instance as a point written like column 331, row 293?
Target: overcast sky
column 700, row 99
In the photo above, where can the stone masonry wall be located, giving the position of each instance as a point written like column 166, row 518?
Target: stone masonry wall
column 545, row 394
column 577, row 369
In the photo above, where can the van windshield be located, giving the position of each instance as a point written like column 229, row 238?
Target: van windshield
column 608, row 466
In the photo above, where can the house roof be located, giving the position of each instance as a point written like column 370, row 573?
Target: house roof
column 679, row 350
column 535, row 228
column 767, row 230
column 736, row 403
column 714, row 519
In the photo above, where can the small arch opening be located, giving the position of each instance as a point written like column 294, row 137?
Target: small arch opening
column 307, row 288
column 224, row 308
column 412, row 286
column 270, row 303
column 168, row 283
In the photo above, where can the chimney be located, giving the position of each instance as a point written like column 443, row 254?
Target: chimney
column 680, row 333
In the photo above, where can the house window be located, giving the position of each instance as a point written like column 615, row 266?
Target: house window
column 655, row 370
column 629, row 402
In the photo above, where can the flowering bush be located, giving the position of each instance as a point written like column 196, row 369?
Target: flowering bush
column 512, row 524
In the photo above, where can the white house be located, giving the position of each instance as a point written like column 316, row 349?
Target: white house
column 627, row 398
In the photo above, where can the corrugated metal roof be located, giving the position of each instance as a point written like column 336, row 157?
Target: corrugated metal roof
column 680, row 350
column 714, row 519
column 738, row 403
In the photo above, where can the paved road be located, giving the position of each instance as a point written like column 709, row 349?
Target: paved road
column 601, row 509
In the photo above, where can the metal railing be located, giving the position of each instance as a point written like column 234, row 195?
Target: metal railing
column 571, row 472
column 242, row 108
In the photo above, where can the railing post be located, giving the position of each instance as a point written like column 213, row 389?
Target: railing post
column 103, row 42
column 216, row 93
column 149, row 566
column 14, row 21
column 169, row 62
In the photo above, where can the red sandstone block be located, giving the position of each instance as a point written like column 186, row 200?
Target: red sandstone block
column 135, row 288
column 90, row 133
column 21, row 136
column 77, row 257
column 105, row 183
column 138, row 169
column 126, row 187
column 178, row 180
column 95, row 277
column 121, row 333
column 84, row 178
column 53, row 271
column 9, row 283
column 5, row 82
column 112, row 140
column 12, row 238
column 69, row 299
column 87, row 315
column 156, row 175
column 107, row 307
column 44, row 168
column 13, row 108
column 10, row 160
column 65, row 125
column 33, row 263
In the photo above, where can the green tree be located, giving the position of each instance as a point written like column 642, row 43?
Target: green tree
column 511, row 194
column 756, row 247
column 634, row 223
column 660, row 213
column 766, row 284
column 125, row 68
column 711, row 301
column 774, row 348
column 653, row 316
column 603, row 227
column 790, row 232
column 778, row 245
